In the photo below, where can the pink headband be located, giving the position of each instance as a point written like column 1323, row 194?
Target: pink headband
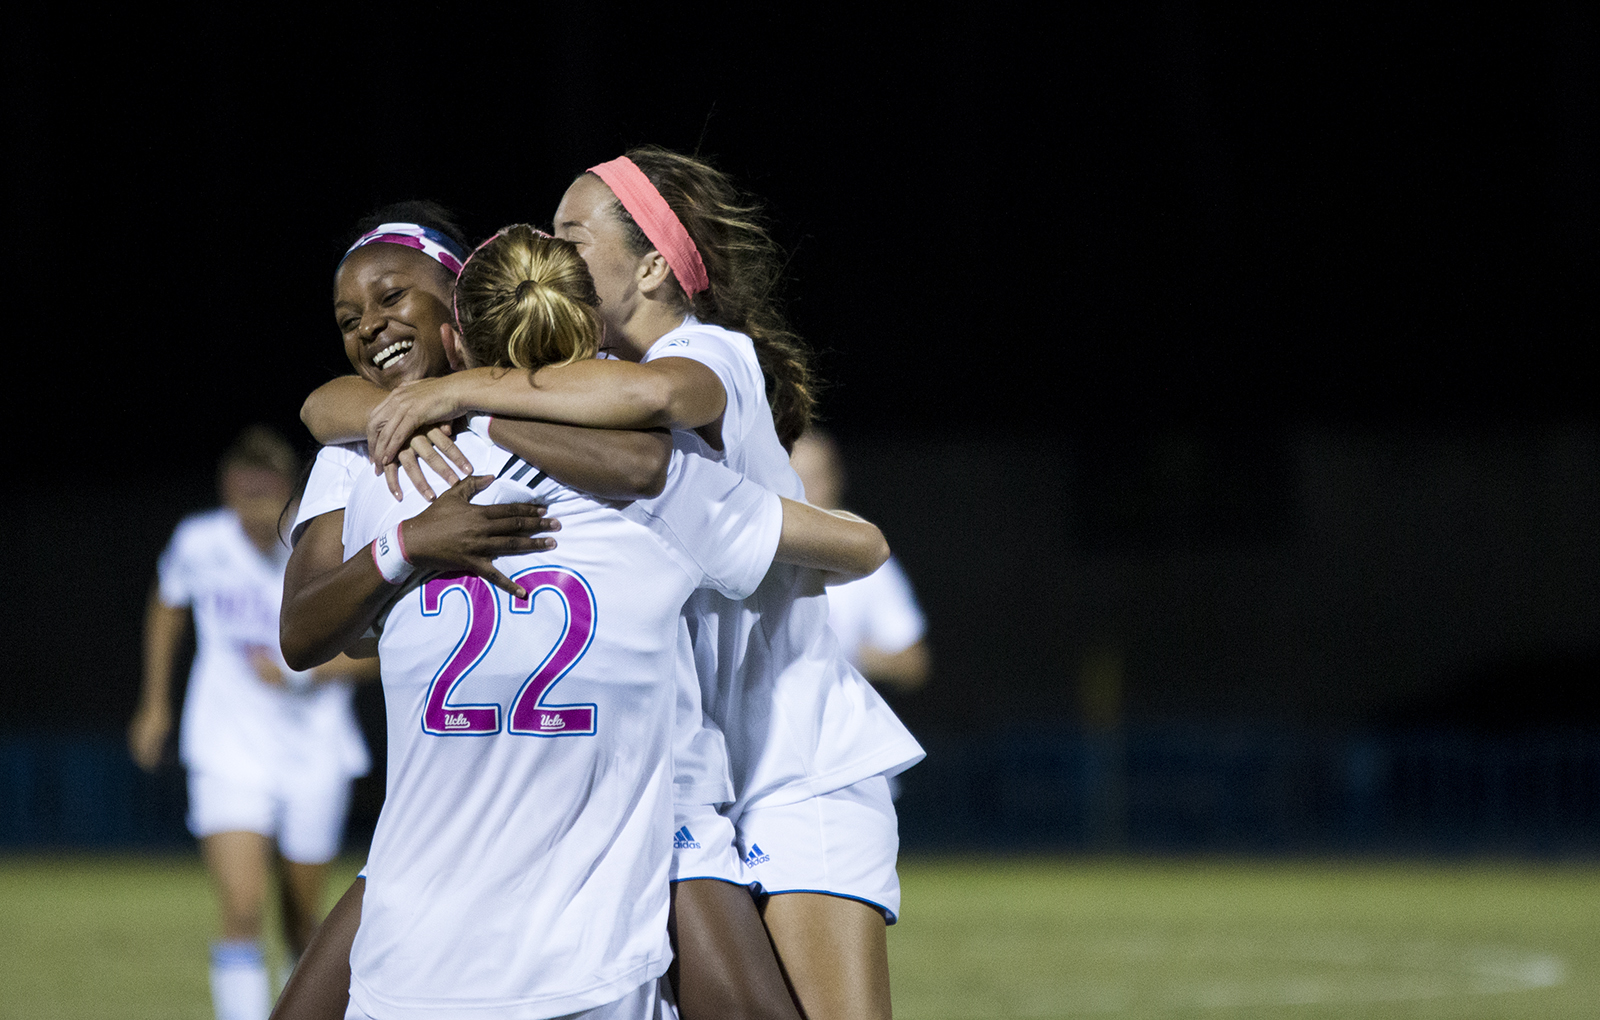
column 415, row 236
column 659, row 223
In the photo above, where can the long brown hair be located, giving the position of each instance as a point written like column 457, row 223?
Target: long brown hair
column 743, row 264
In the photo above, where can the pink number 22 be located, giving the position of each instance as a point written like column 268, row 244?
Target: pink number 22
column 530, row 713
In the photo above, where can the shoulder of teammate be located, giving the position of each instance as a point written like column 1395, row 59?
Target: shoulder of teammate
column 731, row 356
column 516, row 480
column 722, row 523
column 333, row 475
column 200, row 530
column 372, row 508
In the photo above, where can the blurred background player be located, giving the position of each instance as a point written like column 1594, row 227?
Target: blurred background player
column 877, row 620
column 270, row 752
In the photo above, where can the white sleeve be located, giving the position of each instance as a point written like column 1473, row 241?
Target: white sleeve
column 370, row 509
column 328, row 488
column 721, row 527
column 720, row 354
column 895, row 621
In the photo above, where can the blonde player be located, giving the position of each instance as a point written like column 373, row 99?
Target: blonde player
column 519, row 868
column 270, row 752
column 685, row 273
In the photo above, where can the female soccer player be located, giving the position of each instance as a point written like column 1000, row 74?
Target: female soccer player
column 270, row 752
column 541, row 885
column 394, row 292
column 685, row 273
column 391, row 311
column 877, row 620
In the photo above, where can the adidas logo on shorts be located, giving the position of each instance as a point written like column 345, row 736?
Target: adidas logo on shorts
column 755, row 856
column 683, row 840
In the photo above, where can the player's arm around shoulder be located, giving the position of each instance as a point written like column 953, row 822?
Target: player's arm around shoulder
column 329, row 602
column 621, row 464
column 336, row 411
column 666, row 393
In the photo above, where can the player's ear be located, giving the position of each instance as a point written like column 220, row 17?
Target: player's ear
column 452, row 347
column 652, row 272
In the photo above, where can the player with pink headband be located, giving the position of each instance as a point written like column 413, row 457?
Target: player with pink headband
column 435, row 244
column 630, row 592
column 394, row 289
column 685, row 272
column 318, row 989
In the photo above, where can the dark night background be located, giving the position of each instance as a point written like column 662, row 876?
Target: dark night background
column 1242, row 351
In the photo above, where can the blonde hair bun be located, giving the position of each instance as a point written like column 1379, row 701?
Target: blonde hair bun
column 526, row 300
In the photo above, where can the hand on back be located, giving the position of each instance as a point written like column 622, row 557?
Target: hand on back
column 456, row 534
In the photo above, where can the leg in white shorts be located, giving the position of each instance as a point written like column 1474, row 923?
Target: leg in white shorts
column 650, row 1001
column 842, row 843
column 307, row 822
column 703, row 845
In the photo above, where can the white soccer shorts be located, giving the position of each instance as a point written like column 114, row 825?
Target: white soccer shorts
column 703, row 845
column 842, row 843
column 307, row 822
column 650, row 1001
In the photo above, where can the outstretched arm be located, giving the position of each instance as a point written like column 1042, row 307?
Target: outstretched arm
column 665, row 393
column 905, row 670
column 351, row 666
column 329, row 602
column 839, row 543
column 164, row 627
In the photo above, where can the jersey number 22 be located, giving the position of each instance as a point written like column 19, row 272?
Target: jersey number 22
column 531, row 714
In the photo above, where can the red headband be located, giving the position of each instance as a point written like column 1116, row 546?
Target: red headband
column 659, row 223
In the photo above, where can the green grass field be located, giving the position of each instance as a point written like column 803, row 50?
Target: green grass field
column 126, row 938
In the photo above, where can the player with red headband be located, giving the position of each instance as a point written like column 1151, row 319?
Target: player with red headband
column 367, row 569
column 685, row 272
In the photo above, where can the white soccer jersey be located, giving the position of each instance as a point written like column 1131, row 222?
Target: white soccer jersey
column 798, row 720
column 333, row 476
column 519, row 867
column 704, row 780
column 235, row 725
column 878, row 611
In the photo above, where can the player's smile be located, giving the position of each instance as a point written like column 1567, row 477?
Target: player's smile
column 392, row 353
column 390, row 303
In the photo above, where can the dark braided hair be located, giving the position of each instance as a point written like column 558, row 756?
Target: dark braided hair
column 743, row 265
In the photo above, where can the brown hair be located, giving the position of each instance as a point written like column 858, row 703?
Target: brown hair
column 526, row 299
column 260, row 446
column 743, row 264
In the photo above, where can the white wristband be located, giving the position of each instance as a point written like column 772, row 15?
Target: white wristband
column 389, row 553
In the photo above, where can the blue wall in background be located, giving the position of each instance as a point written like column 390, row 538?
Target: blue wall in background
column 1148, row 788
column 1192, row 787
